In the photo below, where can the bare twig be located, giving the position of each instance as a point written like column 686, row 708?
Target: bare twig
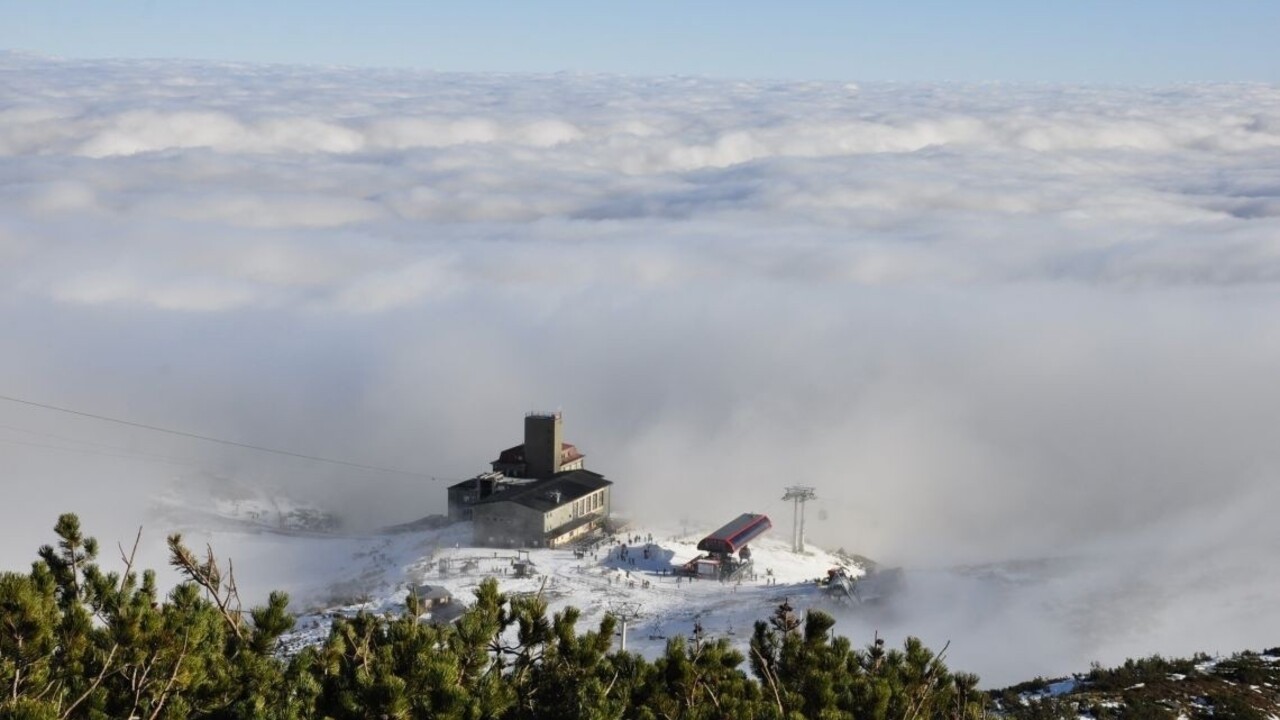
column 128, row 559
column 711, row 693
column 48, row 687
column 931, row 679
column 233, row 592
column 93, row 685
column 209, row 577
column 17, row 672
column 173, row 677
column 611, row 682
column 773, row 685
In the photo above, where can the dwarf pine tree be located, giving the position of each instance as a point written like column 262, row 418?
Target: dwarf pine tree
column 79, row 642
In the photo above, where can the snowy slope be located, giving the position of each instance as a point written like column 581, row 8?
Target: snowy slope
column 596, row 582
column 281, row 544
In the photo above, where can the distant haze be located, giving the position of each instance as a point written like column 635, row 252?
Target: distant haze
column 986, row 322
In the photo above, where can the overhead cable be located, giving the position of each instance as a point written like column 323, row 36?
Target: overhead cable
column 211, row 439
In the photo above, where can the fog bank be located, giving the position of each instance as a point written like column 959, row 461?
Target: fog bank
column 987, row 322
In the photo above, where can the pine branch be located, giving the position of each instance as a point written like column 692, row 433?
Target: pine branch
column 96, row 682
column 173, row 677
column 209, row 577
column 773, row 685
column 930, row 679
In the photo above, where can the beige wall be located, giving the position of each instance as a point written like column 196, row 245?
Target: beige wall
column 506, row 524
column 576, row 533
column 597, row 503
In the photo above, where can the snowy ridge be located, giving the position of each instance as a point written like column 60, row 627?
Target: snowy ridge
column 222, row 502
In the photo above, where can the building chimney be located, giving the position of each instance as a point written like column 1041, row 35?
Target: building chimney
column 542, row 441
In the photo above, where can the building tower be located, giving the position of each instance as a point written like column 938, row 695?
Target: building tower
column 542, row 443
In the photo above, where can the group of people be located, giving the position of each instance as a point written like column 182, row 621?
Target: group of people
column 626, row 553
column 626, row 549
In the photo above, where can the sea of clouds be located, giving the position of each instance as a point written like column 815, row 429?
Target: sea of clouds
column 988, row 322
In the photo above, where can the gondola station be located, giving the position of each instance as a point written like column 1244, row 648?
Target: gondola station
column 728, row 556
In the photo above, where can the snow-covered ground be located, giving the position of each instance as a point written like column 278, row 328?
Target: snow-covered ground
column 281, row 544
column 596, row 580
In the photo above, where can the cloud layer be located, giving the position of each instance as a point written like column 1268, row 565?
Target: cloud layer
column 988, row 322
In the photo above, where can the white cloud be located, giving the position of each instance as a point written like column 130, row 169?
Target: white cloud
column 987, row 321
column 263, row 209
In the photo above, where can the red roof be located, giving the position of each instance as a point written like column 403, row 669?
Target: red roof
column 569, row 453
column 736, row 534
column 515, row 455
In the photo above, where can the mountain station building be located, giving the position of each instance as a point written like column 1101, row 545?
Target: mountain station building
column 538, row 494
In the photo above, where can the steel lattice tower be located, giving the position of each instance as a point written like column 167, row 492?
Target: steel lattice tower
column 799, row 495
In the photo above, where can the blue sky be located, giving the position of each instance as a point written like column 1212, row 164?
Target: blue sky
column 1132, row 41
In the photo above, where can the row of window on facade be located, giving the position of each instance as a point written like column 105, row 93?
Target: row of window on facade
column 590, row 503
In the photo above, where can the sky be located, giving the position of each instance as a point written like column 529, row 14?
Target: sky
column 989, row 322
column 1144, row 41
